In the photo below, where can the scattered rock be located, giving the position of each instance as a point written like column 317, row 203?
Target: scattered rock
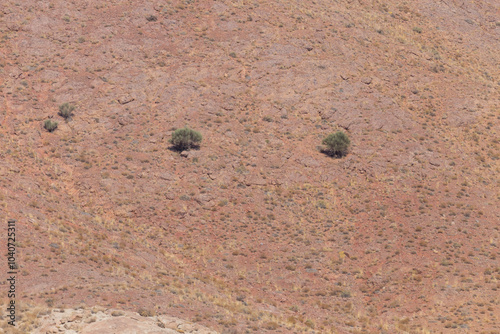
column 190, row 154
column 75, row 317
column 310, row 162
column 125, row 99
column 366, row 80
column 167, row 176
column 203, row 198
column 122, row 121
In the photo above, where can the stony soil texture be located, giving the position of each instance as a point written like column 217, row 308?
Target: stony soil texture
column 257, row 231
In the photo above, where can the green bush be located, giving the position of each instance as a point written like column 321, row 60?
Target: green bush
column 66, row 110
column 49, row 125
column 185, row 138
column 337, row 144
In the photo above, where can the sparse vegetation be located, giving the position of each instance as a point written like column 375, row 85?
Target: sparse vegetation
column 185, row 138
column 66, row 110
column 49, row 125
column 283, row 224
column 337, row 144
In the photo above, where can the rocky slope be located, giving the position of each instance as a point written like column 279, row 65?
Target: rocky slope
column 257, row 231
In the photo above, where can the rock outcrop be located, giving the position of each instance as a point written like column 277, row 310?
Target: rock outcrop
column 100, row 320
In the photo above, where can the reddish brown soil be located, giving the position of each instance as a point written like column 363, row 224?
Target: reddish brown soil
column 257, row 231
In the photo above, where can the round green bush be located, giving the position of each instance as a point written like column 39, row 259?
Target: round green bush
column 66, row 110
column 49, row 125
column 185, row 138
column 337, row 144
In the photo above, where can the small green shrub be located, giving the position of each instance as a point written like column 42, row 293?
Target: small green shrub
column 337, row 144
column 66, row 110
column 49, row 125
column 185, row 138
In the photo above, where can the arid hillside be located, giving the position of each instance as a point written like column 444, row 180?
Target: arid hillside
column 257, row 231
